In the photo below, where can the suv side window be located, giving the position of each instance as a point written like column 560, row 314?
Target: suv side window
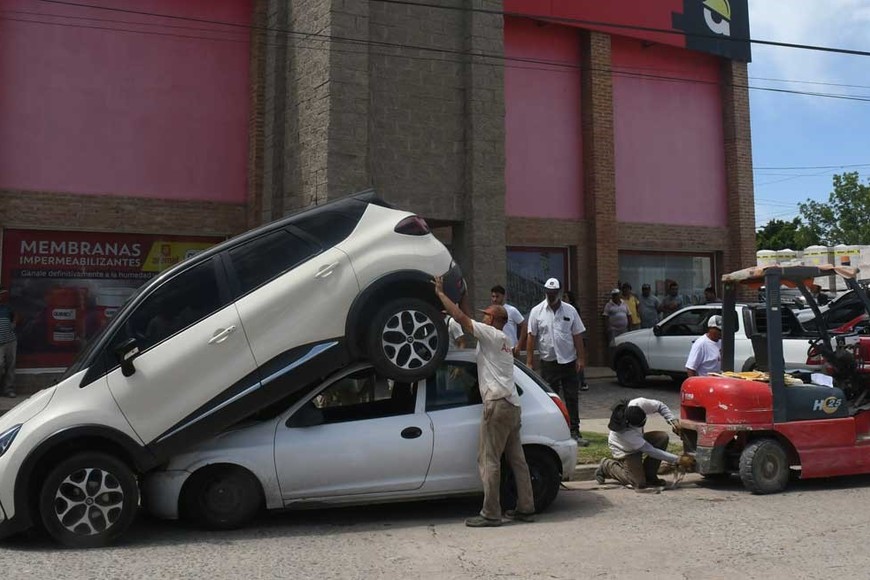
column 175, row 305
column 454, row 385
column 329, row 227
column 268, row 256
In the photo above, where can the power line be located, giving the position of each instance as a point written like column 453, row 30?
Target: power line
column 356, row 42
column 628, row 27
column 814, row 167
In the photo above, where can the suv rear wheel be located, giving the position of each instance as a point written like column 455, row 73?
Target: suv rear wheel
column 407, row 340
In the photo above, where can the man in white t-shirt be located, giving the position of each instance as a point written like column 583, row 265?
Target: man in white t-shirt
column 500, row 425
column 706, row 354
column 516, row 324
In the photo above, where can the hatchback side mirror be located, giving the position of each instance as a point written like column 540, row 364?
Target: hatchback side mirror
column 126, row 352
column 657, row 330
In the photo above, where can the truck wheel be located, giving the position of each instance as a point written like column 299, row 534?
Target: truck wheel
column 88, row 500
column 764, row 467
column 407, row 340
column 629, row 372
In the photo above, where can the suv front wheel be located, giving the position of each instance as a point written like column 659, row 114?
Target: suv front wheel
column 88, row 500
column 407, row 340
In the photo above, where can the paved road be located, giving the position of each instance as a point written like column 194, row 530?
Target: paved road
column 817, row 530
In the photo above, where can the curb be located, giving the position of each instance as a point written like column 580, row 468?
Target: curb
column 585, row 472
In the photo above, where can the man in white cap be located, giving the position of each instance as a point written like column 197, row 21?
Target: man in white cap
column 706, row 354
column 556, row 329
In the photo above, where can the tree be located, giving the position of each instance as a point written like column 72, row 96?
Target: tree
column 845, row 218
column 781, row 234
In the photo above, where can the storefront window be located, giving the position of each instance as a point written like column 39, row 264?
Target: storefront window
column 692, row 273
column 528, row 269
column 66, row 286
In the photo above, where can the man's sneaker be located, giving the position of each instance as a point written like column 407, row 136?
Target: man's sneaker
column 599, row 473
column 580, row 441
column 482, row 522
column 519, row 516
column 584, row 387
column 657, row 482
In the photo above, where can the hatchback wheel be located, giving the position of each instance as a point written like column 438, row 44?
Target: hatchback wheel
column 545, row 476
column 222, row 497
column 88, row 500
column 407, row 340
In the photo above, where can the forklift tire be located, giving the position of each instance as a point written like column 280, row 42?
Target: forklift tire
column 764, row 467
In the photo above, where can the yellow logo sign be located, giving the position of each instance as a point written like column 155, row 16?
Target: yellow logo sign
column 722, row 11
column 166, row 254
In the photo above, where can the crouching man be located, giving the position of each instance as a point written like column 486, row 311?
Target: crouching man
column 637, row 455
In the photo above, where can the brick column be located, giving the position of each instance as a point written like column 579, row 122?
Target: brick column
column 481, row 237
column 256, row 116
column 740, row 252
column 599, row 184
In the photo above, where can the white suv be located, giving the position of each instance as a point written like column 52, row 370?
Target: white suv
column 250, row 323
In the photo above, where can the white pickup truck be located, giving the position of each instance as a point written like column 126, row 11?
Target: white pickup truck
column 663, row 349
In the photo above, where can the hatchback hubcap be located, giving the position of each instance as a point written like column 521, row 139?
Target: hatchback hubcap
column 409, row 339
column 89, row 501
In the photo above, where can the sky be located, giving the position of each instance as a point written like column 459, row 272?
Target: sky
column 805, row 132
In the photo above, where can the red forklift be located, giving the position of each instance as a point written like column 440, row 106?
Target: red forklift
column 772, row 425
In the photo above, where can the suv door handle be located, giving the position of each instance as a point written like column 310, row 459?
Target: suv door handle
column 221, row 335
column 326, row 271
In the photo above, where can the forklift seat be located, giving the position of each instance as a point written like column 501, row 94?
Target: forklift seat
column 759, row 347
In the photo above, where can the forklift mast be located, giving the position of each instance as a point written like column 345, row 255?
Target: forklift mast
column 773, row 278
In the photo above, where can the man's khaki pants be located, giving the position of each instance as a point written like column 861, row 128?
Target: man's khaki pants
column 500, row 433
column 634, row 469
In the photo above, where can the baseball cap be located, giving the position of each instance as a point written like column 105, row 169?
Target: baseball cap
column 715, row 322
column 615, row 291
column 552, row 284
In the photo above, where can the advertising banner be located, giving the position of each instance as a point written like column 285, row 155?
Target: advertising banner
column 66, row 286
column 720, row 27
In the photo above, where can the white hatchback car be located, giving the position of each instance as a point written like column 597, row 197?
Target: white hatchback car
column 663, row 349
column 255, row 321
column 361, row 438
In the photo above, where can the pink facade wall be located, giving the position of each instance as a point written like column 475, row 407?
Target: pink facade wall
column 670, row 158
column 114, row 103
column 543, row 147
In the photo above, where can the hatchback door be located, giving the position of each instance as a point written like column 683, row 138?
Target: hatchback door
column 454, row 405
column 193, row 356
column 362, row 434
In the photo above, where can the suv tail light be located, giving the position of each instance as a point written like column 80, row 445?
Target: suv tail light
column 559, row 403
column 413, row 226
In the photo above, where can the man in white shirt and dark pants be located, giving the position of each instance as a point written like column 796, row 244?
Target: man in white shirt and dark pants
column 637, row 455
column 705, row 357
column 556, row 329
column 500, row 425
column 516, row 324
